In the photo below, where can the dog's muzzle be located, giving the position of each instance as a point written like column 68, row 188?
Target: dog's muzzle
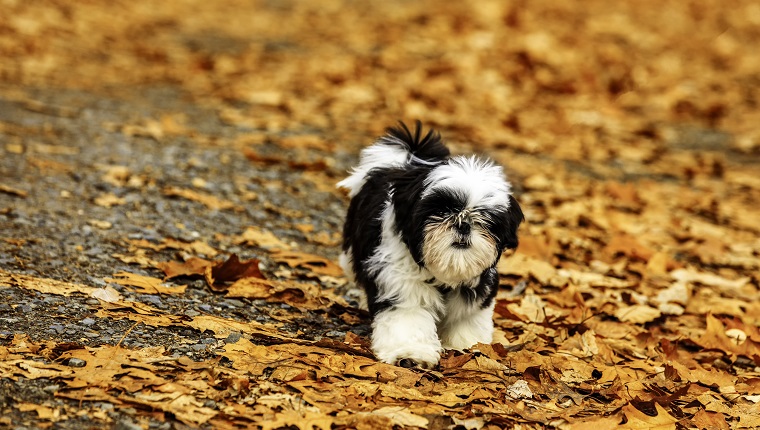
column 463, row 228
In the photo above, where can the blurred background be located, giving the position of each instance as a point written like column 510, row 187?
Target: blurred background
column 592, row 80
column 133, row 133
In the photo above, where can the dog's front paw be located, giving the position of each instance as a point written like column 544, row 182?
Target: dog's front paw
column 463, row 333
column 406, row 337
column 408, row 355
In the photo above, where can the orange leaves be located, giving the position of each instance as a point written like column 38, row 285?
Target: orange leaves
column 637, row 420
column 631, row 137
column 192, row 267
column 216, row 274
column 735, row 338
column 145, row 284
column 209, row 200
column 313, row 263
column 42, row 285
column 299, row 295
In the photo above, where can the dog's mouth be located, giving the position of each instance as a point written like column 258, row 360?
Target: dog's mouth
column 461, row 244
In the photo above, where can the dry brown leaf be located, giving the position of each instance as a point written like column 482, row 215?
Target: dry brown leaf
column 196, row 247
column 710, row 420
column 139, row 257
column 593, row 279
column 637, row 314
column 7, row 189
column 43, row 412
column 628, row 246
column 525, row 266
column 42, row 285
column 716, row 337
column 303, row 420
column 313, row 263
column 107, row 294
column 254, row 236
column 297, row 294
column 223, row 327
column 210, row 201
column 709, row 279
column 638, row 420
column 220, row 274
column 606, row 423
column 193, row 267
column 145, row 284
column 108, row 200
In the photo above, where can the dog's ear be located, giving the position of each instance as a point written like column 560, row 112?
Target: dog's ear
column 510, row 221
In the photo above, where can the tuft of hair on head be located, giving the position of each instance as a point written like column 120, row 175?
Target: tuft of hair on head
column 425, row 149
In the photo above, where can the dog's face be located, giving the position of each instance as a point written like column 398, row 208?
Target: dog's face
column 462, row 220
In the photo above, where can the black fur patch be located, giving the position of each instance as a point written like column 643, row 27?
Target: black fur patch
column 362, row 232
column 503, row 225
column 483, row 293
column 428, row 148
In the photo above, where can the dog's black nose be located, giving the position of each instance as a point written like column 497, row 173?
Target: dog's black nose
column 464, row 228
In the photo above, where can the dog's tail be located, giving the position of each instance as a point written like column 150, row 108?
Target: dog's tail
column 399, row 146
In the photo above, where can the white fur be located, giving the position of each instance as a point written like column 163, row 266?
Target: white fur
column 375, row 156
column 454, row 266
column 398, row 276
column 465, row 324
column 358, row 294
column 482, row 181
column 347, row 264
column 406, row 332
column 409, row 328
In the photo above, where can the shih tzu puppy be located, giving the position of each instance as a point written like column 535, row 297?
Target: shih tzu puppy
column 422, row 237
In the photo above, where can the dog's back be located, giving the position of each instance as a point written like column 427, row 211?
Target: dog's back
column 398, row 147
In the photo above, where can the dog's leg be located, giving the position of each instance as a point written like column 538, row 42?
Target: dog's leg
column 466, row 324
column 406, row 336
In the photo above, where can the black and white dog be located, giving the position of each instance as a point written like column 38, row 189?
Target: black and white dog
column 423, row 234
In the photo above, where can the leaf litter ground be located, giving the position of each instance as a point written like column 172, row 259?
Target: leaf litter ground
column 169, row 223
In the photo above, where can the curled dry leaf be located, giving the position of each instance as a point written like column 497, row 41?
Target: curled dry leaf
column 42, row 285
column 220, row 274
column 638, row 420
column 637, row 314
column 297, row 294
column 145, row 284
column 209, row 200
column 193, row 267
column 109, row 200
column 254, row 236
column 313, row 263
column 7, row 189
column 217, row 274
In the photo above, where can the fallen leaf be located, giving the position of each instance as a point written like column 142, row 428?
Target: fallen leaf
column 637, row 314
column 109, row 200
column 107, row 294
column 43, row 412
column 231, row 270
column 210, row 201
column 12, row 191
column 638, row 420
column 313, row 263
column 710, row 420
column 716, row 337
column 254, row 236
column 42, row 285
column 145, row 284
column 193, row 267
